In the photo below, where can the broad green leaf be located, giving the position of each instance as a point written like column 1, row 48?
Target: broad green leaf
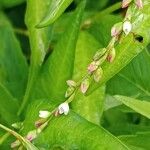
column 90, row 107
column 13, row 66
column 8, row 107
column 129, row 47
column 59, row 66
column 39, row 42
column 10, row 3
column 70, row 132
column 56, row 8
column 139, row 141
column 133, row 80
column 139, row 106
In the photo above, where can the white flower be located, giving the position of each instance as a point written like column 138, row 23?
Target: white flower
column 127, row 27
column 63, row 108
column 44, row 114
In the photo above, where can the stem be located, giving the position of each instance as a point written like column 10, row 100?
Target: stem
column 100, row 14
column 21, row 31
column 4, row 137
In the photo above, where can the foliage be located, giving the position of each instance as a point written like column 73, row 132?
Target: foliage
column 108, row 94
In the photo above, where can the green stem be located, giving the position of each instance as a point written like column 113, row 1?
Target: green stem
column 100, row 14
column 21, row 31
column 4, row 137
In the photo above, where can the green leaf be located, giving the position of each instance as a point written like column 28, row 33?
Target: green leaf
column 8, row 106
column 129, row 47
column 90, row 107
column 59, row 66
column 139, row 106
column 59, row 133
column 39, row 42
column 133, row 80
column 13, row 66
column 56, row 8
column 10, row 3
column 139, row 141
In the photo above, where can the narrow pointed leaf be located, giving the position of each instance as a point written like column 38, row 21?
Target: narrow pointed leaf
column 13, row 66
column 56, row 8
column 139, row 106
column 59, row 66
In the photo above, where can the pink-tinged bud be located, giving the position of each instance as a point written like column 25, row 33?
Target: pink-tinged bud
column 85, row 85
column 92, row 67
column 125, row 3
column 15, row 144
column 116, row 29
column 56, row 113
column 31, row 135
column 139, row 4
column 39, row 122
column 111, row 56
column 98, row 74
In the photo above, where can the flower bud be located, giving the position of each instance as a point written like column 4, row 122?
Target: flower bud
column 17, row 125
column 116, row 29
column 39, row 122
column 71, row 83
column 44, row 114
column 125, row 3
column 111, row 56
column 63, row 108
column 127, row 27
column 99, row 54
column 15, row 144
column 139, row 4
column 85, row 85
column 69, row 91
column 31, row 135
column 92, row 67
column 98, row 74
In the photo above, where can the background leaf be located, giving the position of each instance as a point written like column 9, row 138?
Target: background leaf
column 90, row 107
column 13, row 66
column 141, row 107
column 59, row 66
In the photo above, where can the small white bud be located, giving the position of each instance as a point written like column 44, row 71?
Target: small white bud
column 44, row 114
column 15, row 144
column 127, row 27
column 71, row 83
column 98, row 74
column 63, row 108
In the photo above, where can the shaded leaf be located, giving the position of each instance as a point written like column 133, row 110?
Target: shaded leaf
column 8, row 106
column 141, row 107
column 10, row 3
column 13, row 66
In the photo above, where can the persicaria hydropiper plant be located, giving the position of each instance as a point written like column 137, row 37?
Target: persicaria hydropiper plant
column 95, row 71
